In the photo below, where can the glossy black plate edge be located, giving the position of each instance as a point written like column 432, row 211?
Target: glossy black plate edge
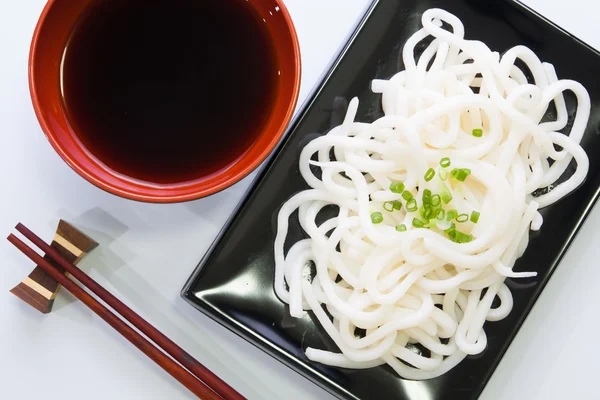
column 539, row 16
column 257, row 340
column 540, row 288
column 214, row 313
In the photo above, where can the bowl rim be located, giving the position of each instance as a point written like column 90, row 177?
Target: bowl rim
column 191, row 191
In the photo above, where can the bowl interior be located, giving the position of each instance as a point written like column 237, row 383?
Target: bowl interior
column 49, row 41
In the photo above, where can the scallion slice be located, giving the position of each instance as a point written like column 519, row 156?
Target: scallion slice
column 417, row 223
column 429, row 174
column 411, row 205
column 460, row 174
column 377, row 217
column 440, row 214
column 452, row 214
column 462, row 218
column 443, row 174
column 445, row 195
column 426, row 212
column 397, row 187
column 427, row 196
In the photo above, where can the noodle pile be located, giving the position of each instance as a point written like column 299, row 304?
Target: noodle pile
column 436, row 200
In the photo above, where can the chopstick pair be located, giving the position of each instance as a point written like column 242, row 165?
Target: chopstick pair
column 187, row 370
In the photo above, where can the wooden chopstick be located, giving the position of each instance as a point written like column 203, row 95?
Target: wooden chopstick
column 184, row 358
column 199, row 384
column 178, row 372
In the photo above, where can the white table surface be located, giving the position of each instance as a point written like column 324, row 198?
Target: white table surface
column 148, row 251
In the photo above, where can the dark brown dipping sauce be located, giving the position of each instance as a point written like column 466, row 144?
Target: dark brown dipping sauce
column 169, row 91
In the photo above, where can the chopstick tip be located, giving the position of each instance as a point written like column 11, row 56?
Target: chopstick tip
column 12, row 238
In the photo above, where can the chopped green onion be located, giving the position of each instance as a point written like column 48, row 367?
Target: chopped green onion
column 426, row 212
column 445, row 195
column 411, row 205
column 478, row 132
column 426, row 196
column 397, row 187
column 475, row 217
column 417, row 223
column 397, row 204
column 445, row 162
column 461, row 174
column 377, row 217
column 452, row 227
column 388, row 206
column 406, row 195
column 401, row 228
column 436, row 200
column 440, row 214
column 429, row 174
column 443, row 174
column 466, row 238
column 463, row 237
column 451, row 234
column 451, row 215
column 462, row 218
column 458, row 236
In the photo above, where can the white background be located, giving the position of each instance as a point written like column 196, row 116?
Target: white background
column 148, row 251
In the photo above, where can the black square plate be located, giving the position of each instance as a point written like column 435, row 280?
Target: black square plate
column 234, row 282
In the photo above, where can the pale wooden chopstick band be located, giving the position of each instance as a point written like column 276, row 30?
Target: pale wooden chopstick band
column 70, row 247
column 38, row 288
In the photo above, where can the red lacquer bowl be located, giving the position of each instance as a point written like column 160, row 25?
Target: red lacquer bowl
column 49, row 40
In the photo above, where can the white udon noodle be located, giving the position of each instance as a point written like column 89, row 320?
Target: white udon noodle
column 392, row 281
